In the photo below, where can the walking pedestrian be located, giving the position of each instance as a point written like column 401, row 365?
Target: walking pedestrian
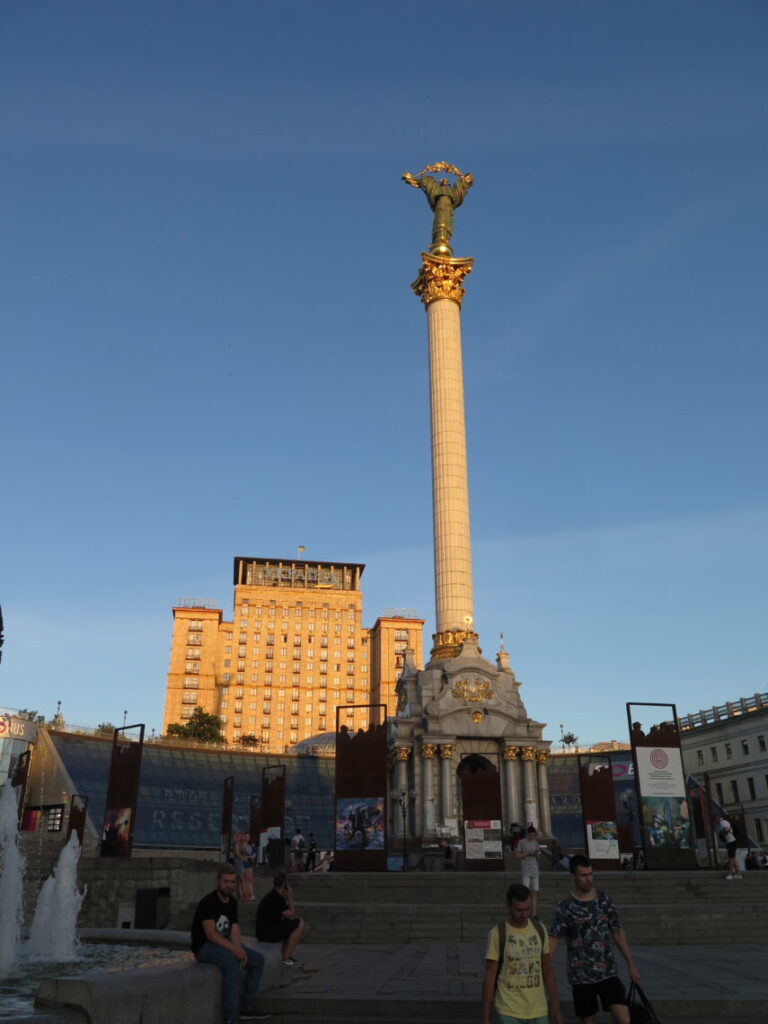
column 588, row 922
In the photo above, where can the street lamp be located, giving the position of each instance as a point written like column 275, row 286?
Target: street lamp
column 401, row 797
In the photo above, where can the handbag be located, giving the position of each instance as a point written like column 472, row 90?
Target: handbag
column 640, row 1009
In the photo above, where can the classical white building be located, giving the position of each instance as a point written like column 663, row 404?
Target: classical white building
column 730, row 744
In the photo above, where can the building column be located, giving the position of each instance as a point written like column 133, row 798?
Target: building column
column 401, row 786
column 512, row 784
column 447, row 800
column 428, row 752
column 545, row 820
column 531, row 803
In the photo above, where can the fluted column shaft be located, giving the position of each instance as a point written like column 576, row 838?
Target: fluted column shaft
column 545, row 819
column 450, row 493
column 401, row 785
column 447, row 802
column 531, row 803
column 512, row 785
column 428, row 795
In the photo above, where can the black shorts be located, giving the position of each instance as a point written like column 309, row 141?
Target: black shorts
column 611, row 993
column 279, row 931
column 730, row 849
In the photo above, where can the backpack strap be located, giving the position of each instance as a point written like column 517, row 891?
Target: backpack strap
column 539, row 930
column 502, row 930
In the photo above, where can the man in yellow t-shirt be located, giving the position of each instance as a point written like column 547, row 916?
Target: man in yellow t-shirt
column 518, row 978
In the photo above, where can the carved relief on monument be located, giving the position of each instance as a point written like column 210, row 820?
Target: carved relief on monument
column 529, row 753
column 473, row 691
column 402, row 753
column 542, row 756
column 446, row 751
column 511, row 753
column 428, row 750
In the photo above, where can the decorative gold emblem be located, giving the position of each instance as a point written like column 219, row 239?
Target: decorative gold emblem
column 446, row 751
column 473, row 691
column 441, row 277
column 477, row 717
column 511, row 753
column 448, row 643
column 428, row 750
column 402, row 753
column 542, row 756
column 529, row 753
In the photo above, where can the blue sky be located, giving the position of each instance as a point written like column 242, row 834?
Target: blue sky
column 210, row 348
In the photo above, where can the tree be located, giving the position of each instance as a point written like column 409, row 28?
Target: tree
column 203, row 727
column 249, row 741
column 105, row 729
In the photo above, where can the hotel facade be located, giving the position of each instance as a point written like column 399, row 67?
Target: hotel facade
column 295, row 650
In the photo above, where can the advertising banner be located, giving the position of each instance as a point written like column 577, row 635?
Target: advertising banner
column 360, row 823
column 360, row 834
column 122, row 793
column 665, row 817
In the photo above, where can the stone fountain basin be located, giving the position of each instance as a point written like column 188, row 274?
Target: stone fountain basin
column 173, row 994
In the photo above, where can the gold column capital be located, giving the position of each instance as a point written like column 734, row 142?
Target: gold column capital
column 446, row 751
column 441, row 277
column 511, row 753
column 402, row 753
column 542, row 756
column 428, row 750
column 529, row 753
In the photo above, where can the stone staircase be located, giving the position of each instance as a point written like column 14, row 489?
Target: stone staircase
column 657, row 908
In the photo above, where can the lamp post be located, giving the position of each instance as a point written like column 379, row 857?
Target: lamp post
column 401, row 798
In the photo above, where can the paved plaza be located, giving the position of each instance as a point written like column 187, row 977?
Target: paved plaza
column 442, row 982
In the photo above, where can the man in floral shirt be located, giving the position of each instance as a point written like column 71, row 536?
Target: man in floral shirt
column 588, row 922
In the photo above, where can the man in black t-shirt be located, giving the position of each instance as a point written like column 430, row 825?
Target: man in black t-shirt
column 277, row 921
column 216, row 940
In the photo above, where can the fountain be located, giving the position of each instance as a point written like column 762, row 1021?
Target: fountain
column 53, row 935
column 11, row 878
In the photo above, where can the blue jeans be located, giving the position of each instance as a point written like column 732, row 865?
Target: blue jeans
column 229, row 966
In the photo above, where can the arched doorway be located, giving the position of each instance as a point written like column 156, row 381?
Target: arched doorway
column 480, row 789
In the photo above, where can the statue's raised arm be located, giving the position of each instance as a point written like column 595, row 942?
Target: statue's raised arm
column 443, row 198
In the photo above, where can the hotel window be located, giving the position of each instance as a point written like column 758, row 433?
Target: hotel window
column 735, row 790
column 192, row 653
column 227, row 662
column 761, row 743
column 323, row 698
column 241, row 666
column 751, row 788
column 744, row 747
column 719, row 790
column 337, row 615
column 728, row 752
column 189, row 698
column 227, row 636
column 325, row 613
column 284, row 650
column 713, row 753
column 190, row 684
column 298, row 613
column 226, row 677
column 241, row 679
column 252, row 705
column 241, row 652
column 224, row 704
column 192, row 667
column 308, row 721
column 186, row 712
column 351, row 616
column 363, row 668
column 699, row 757
column 271, row 613
column 285, row 613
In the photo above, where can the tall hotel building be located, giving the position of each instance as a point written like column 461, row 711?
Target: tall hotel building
column 296, row 648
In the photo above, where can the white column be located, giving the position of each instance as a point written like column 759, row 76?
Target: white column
column 545, row 820
column 531, row 803
column 450, row 494
column 401, row 786
column 428, row 751
column 447, row 801
column 512, row 784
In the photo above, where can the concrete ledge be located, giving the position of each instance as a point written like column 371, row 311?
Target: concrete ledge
column 153, row 995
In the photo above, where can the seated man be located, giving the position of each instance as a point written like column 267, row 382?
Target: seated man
column 277, row 921
column 216, row 940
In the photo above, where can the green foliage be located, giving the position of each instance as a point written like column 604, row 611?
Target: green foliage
column 249, row 741
column 105, row 729
column 203, row 727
